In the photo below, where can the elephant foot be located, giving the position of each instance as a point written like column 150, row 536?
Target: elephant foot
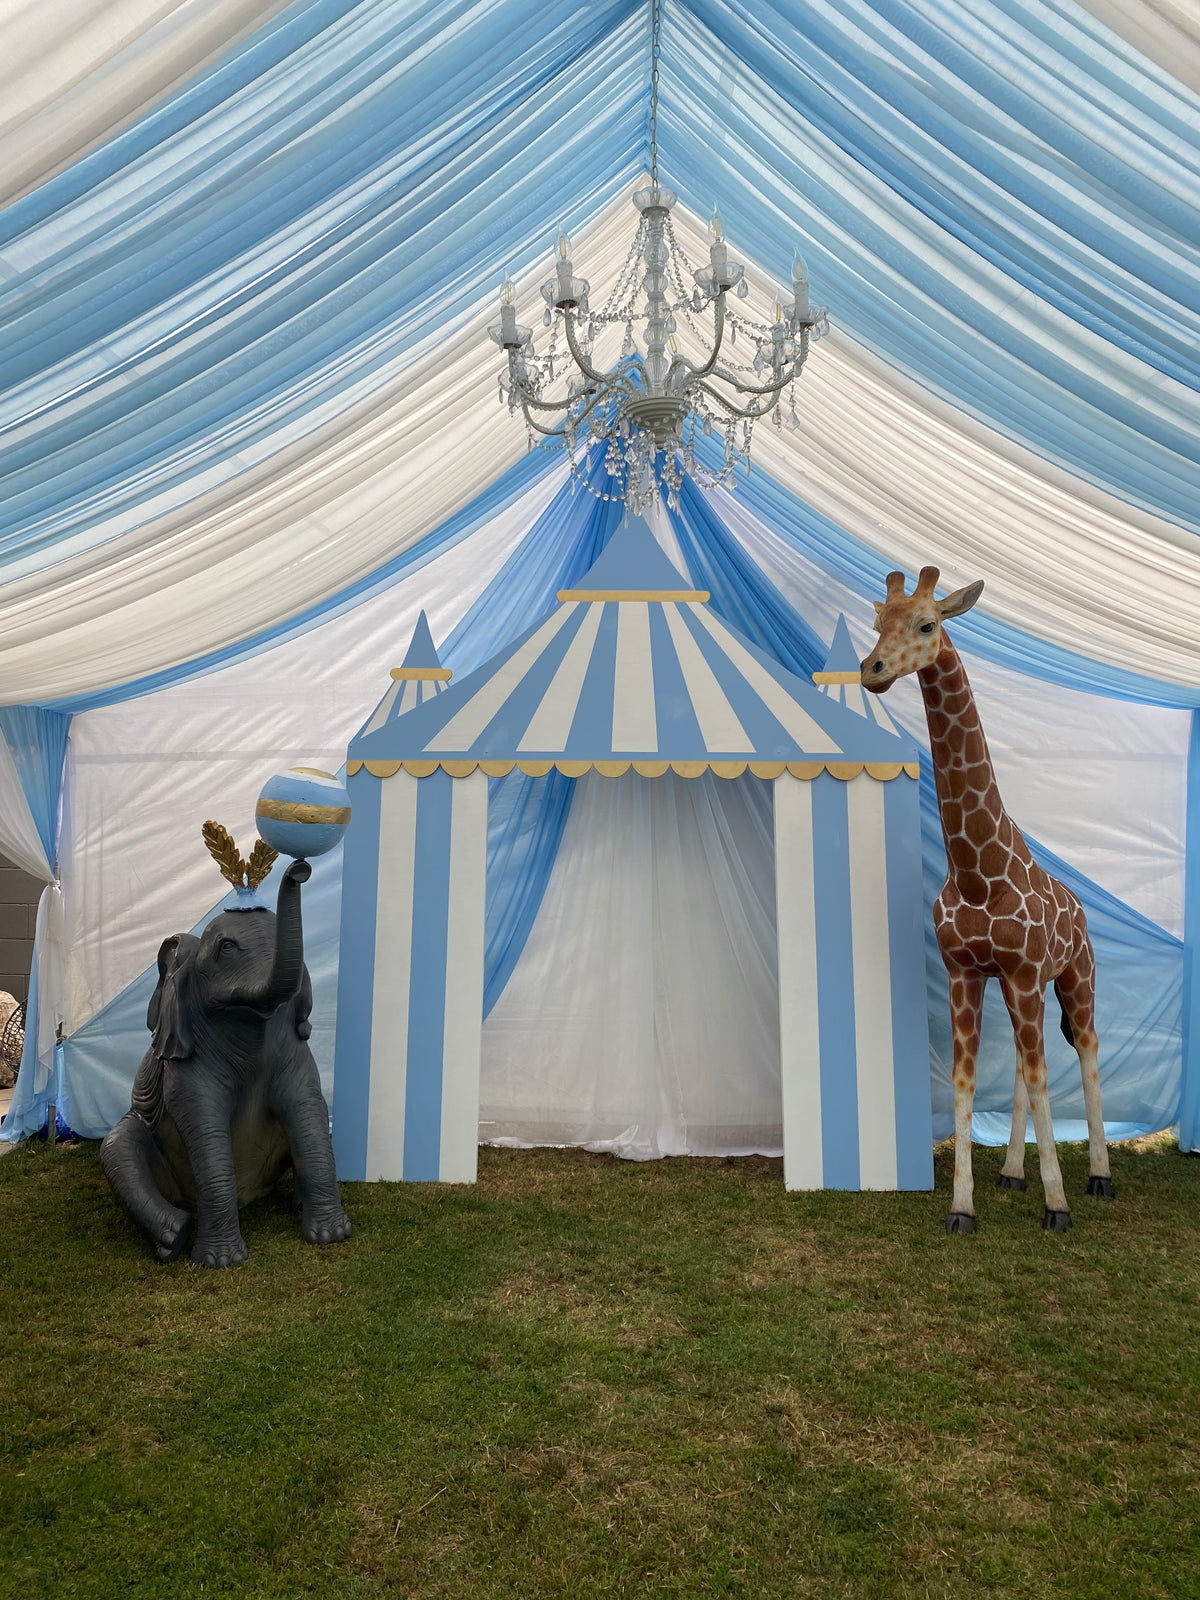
column 223, row 1253
column 1057, row 1221
column 960, row 1222
column 1102, row 1188
column 1007, row 1181
column 331, row 1227
column 171, row 1238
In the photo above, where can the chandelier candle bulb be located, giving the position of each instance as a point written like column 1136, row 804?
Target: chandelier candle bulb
column 800, row 289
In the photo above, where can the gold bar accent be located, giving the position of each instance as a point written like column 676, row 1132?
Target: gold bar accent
column 837, row 677
column 352, row 767
column 297, row 811
column 633, row 594
column 407, row 674
column 727, row 769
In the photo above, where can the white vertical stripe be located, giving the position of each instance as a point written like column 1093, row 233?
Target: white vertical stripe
column 381, row 712
column 809, row 735
column 411, row 698
column 393, row 954
column 469, row 721
column 634, row 726
column 872, row 984
column 719, row 726
column 550, row 725
column 799, row 1038
column 464, row 981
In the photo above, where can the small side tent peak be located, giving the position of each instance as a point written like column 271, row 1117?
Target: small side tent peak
column 840, row 681
column 421, row 677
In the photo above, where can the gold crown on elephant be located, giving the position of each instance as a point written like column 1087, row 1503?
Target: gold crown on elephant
column 241, row 874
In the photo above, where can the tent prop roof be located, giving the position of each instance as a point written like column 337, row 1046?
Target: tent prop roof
column 631, row 668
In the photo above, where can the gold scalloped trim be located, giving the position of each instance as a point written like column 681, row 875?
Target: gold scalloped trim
column 883, row 771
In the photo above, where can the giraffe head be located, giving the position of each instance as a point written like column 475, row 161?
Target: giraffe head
column 910, row 627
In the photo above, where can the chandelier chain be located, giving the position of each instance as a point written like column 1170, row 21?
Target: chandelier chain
column 655, row 47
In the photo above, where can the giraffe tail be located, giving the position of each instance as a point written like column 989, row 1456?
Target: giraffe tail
column 1064, row 1021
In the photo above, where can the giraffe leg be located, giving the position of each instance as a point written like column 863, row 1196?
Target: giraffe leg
column 966, row 1011
column 1026, row 1007
column 1012, row 1173
column 1076, row 993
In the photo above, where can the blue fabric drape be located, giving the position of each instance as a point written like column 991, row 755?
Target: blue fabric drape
column 1140, row 966
column 989, row 198
column 37, row 738
column 526, row 816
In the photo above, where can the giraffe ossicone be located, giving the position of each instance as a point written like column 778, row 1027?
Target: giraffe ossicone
column 999, row 915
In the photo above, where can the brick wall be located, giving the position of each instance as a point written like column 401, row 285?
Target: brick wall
column 19, row 895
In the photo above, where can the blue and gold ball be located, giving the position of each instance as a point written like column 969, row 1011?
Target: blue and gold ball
column 303, row 812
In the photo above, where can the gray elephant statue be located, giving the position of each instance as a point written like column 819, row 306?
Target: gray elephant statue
column 227, row 1097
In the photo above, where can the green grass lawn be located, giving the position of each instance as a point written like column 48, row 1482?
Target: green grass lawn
column 589, row 1378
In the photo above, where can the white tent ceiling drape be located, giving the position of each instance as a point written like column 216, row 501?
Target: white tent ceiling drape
column 248, row 411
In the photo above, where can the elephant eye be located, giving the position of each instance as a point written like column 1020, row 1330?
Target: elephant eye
column 226, row 944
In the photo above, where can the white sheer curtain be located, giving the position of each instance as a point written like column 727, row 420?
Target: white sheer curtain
column 642, row 1017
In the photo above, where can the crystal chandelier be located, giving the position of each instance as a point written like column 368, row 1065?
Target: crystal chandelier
column 644, row 413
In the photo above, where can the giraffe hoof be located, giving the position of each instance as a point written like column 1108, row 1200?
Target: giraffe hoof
column 1007, row 1181
column 1102, row 1188
column 960, row 1222
column 1057, row 1221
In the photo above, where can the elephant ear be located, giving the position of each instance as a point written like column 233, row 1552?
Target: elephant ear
column 170, row 1010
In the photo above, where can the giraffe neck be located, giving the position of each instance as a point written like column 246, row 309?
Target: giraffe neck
column 969, row 803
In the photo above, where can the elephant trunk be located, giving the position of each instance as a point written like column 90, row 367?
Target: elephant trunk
column 287, row 965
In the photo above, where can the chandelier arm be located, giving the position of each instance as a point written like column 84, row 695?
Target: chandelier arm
column 749, row 413
column 546, row 433
column 790, row 376
column 581, row 362
column 546, row 405
column 710, row 364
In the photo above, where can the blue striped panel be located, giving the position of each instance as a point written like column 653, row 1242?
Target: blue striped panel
column 356, row 977
column 910, row 1016
column 507, row 728
column 427, row 981
column 679, row 736
column 770, row 740
column 835, row 984
column 591, row 727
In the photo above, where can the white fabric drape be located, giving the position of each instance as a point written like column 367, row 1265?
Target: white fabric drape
column 1102, row 782
column 308, row 514
column 1166, row 32
column 642, row 1017
column 19, row 837
column 145, row 774
column 74, row 74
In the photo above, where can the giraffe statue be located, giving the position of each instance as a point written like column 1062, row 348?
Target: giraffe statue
column 999, row 915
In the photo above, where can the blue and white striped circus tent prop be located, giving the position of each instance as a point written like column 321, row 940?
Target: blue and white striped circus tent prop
column 634, row 672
